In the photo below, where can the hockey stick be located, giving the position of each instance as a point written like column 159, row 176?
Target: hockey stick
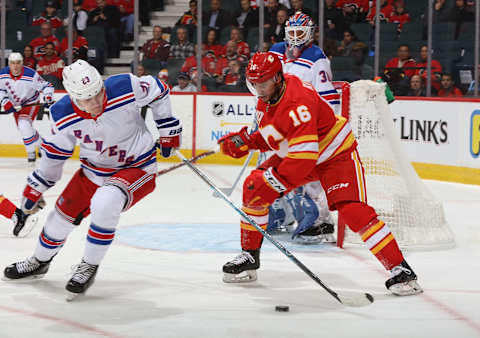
column 193, row 159
column 25, row 106
column 228, row 191
column 354, row 300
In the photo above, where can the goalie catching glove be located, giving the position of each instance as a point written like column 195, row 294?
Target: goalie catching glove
column 262, row 187
column 170, row 130
column 32, row 200
column 236, row 144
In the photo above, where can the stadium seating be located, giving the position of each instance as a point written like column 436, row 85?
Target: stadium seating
column 174, row 66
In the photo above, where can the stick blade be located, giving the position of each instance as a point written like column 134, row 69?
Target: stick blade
column 356, row 300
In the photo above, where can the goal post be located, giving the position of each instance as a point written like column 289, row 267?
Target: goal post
column 399, row 196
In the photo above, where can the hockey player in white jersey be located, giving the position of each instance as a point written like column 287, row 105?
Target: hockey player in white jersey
column 301, row 57
column 117, row 159
column 21, row 87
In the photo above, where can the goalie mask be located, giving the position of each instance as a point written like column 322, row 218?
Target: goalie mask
column 299, row 32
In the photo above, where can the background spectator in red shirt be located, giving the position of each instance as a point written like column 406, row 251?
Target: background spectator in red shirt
column 385, row 11
column 89, row 5
column 28, row 59
column 156, row 48
column 399, row 14
column 50, row 66
column 79, row 47
column 358, row 8
column 211, row 43
column 48, row 15
column 242, row 46
column 422, row 68
column 403, row 61
column 448, row 88
column 230, row 54
column 39, row 43
column 209, row 63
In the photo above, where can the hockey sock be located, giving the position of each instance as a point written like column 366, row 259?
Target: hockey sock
column 7, row 208
column 381, row 243
column 29, row 134
column 53, row 236
column 251, row 238
column 98, row 242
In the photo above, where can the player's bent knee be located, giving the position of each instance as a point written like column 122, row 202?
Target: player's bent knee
column 356, row 214
column 106, row 205
column 57, row 226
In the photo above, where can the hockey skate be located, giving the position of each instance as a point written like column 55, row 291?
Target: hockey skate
column 242, row 269
column 23, row 223
column 318, row 233
column 83, row 277
column 31, row 268
column 403, row 281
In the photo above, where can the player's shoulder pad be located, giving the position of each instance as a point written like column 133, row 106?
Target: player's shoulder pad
column 279, row 47
column 314, row 53
column 61, row 108
column 118, row 85
column 5, row 70
column 27, row 71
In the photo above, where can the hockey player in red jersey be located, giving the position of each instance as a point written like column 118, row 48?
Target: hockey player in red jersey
column 117, row 160
column 22, row 223
column 310, row 143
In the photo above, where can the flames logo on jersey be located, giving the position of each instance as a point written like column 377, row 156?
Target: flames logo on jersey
column 85, row 80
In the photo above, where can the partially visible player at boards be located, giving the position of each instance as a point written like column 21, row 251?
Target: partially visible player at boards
column 311, row 143
column 22, row 223
column 118, row 164
column 301, row 57
column 20, row 89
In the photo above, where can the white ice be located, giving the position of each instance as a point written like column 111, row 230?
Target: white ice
column 162, row 275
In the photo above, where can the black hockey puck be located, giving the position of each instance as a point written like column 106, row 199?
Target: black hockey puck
column 282, row 308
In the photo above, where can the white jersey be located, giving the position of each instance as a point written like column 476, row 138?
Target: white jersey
column 25, row 88
column 312, row 66
column 114, row 140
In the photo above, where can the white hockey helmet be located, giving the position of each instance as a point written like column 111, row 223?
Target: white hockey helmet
column 15, row 57
column 299, row 30
column 81, row 80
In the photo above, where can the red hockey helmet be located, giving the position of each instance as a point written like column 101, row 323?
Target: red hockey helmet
column 263, row 66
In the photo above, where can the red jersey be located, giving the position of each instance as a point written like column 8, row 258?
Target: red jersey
column 88, row 5
column 385, row 13
column 30, row 62
column 302, row 129
column 358, row 5
column 209, row 63
column 422, row 71
column 77, row 44
column 242, row 49
column 50, row 66
column 408, row 66
column 401, row 19
column 222, row 63
column 232, row 79
column 126, row 4
column 38, row 44
column 453, row 92
column 55, row 21
column 217, row 49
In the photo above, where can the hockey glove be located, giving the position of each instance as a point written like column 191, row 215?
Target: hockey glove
column 170, row 130
column 32, row 200
column 262, row 187
column 8, row 107
column 236, row 144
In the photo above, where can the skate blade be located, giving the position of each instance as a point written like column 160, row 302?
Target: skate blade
column 30, row 223
column 406, row 289
column 21, row 280
column 71, row 296
column 243, row 277
column 307, row 240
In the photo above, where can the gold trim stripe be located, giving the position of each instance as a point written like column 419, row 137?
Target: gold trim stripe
column 304, row 138
column 255, row 212
column 323, row 144
column 382, row 244
column 303, row 156
column 360, row 177
column 367, row 234
column 248, row 226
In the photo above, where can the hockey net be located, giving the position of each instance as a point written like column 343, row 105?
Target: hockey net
column 394, row 189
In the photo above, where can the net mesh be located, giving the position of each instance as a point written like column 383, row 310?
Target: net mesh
column 394, row 189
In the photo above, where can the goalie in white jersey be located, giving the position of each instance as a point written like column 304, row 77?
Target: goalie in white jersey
column 20, row 89
column 118, row 164
column 299, row 56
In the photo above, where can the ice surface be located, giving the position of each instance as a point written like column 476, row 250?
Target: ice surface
column 162, row 275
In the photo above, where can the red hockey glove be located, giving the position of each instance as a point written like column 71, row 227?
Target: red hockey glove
column 262, row 187
column 236, row 144
column 170, row 130
column 8, row 106
column 31, row 200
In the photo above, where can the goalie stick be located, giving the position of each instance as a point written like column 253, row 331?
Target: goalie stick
column 355, row 300
column 228, row 191
column 193, row 159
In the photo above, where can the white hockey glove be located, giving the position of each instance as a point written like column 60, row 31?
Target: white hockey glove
column 170, row 130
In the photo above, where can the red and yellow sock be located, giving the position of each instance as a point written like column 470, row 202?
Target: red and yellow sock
column 7, row 208
column 251, row 238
